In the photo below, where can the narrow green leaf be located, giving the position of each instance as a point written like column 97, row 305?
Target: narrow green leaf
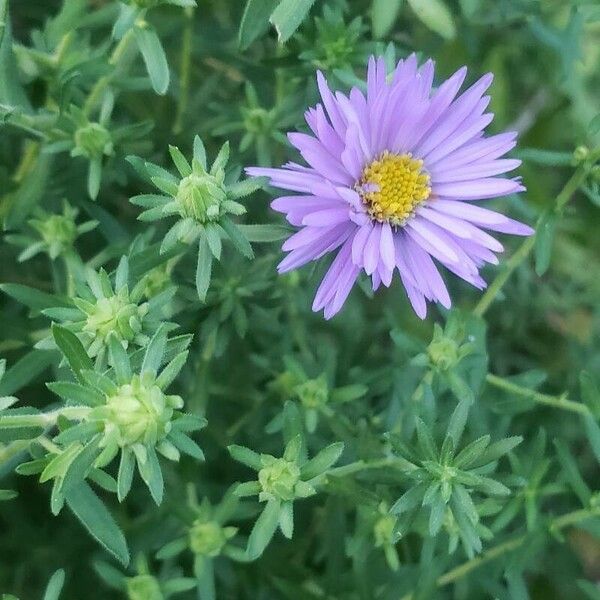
column 237, row 237
column 436, row 16
column 264, row 233
column 544, row 239
column 95, row 517
column 245, row 456
column 288, row 16
column 55, row 585
column 383, row 16
column 263, row 529
column 255, row 21
column 73, row 351
column 322, row 461
column 203, row 268
column 125, row 475
column 25, row 370
column 154, row 58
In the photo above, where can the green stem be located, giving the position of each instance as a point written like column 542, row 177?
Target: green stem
column 118, row 53
column 523, row 251
column 554, row 401
column 185, row 70
column 512, row 544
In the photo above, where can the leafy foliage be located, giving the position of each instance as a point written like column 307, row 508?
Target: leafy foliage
column 152, row 358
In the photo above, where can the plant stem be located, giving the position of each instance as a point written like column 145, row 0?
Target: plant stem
column 554, row 401
column 512, row 544
column 185, row 70
column 523, row 251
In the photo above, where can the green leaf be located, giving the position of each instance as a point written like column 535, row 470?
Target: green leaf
column 185, row 444
column 203, row 268
column 263, row 529
column 73, row 351
column 155, row 351
column 154, row 58
column 288, row 16
column 25, row 370
column 592, row 430
column 383, row 16
column 409, row 500
column 55, row 585
column 322, row 461
column 236, row 236
column 34, row 299
column 543, row 241
column 151, row 473
column 94, row 516
column 255, row 21
column 264, row 233
column 119, row 360
column 286, row 519
column 75, row 393
column 572, row 473
column 205, row 577
column 79, row 468
column 458, row 421
column 180, row 161
column 245, row 456
column 125, row 475
column 435, row 15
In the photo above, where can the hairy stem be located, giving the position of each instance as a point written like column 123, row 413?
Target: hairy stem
column 523, row 251
column 554, row 401
column 509, row 545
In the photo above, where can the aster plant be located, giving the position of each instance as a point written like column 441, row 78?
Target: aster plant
column 106, row 307
column 202, row 199
column 169, row 405
column 391, row 182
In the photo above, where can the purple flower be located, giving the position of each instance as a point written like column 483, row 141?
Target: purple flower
column 391, row 181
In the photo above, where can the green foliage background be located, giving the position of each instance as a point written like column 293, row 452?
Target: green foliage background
column 380, row 397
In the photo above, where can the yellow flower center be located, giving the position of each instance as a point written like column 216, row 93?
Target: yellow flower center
column 392, row 186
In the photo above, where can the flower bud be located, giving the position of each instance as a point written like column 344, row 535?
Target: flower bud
column 208, row 538
column 143, row 587
column 93, row 141
column 141, row 412
column 278, row 479
column 580, row 154
column 313, row 393
column 115, row 314
column 199, row 197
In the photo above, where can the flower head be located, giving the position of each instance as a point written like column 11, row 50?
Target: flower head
column 390, row 183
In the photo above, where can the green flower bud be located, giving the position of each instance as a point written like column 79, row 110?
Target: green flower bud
column 208, row 538
column 313, row 393
column 383, row 530
column 141, row 412
column 93, row 140
column 257, row 120
column 199, row 197
column 143, row 587
column 278, row 478
column 115, row 314
column 443, row 353
column 58, row 232
column 580, row 154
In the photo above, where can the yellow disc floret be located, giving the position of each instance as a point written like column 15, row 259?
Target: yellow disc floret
column 392, row 186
